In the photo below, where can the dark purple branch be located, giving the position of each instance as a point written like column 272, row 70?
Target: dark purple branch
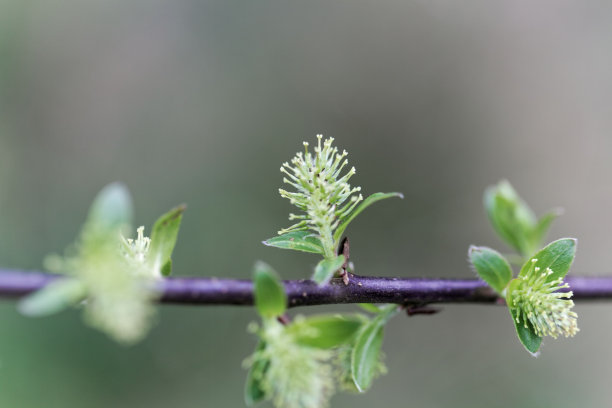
column 360, row 289
column 306, row 292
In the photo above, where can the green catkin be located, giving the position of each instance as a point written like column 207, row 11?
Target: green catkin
column 118, row 278
column 296, row 376
column 325, row 197
column 540, row 302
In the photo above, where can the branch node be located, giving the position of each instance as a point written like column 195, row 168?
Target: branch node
column 413, row 310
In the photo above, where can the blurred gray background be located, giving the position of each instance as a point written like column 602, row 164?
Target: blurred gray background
column 201, row 101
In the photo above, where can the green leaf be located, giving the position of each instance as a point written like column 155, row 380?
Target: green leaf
column 514, row 221
column 558, row 256
column 163, row 238
column 530, row 340
column 543, row 225
column 326, row 331
column 297, row 240
column 527, row 335
column 491, row 266
column 365, row 355
column 511, row 218
column 364, row 204
column 326, row 268
column 112, row 207
column 270, row 296
column 253, row 390
column 53, row 298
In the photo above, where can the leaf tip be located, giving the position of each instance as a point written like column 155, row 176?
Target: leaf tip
column 115, row 187
column 261, row 265
column 535, row 354
column 572, row 241
column 358, row 386
column 474, row 250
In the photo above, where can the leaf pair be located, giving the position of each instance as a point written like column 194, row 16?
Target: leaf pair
column 307, row 241
column 514, row 221
column 494, row 269
column 321, row 331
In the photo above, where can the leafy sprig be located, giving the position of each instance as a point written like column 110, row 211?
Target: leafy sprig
column 112, row 277
column 302, row 363
column 342, row 351
column 327, row 201
column 536, row 298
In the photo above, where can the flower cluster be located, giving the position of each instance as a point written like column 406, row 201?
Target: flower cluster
column 295, row 376
column 117, row 279
column 137, row 249
column 136, row 253
column 321, row 191
column 113, row 277
column 539, row 300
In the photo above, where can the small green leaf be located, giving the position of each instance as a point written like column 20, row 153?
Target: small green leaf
column 270, row 296
column 326, row 331
column 112, row 207
column 527, row 335
column 365, row 355
column 298, row 240
column 491, row 266
column 511, row 218
column 543, row 225
column 514, row 221
column 326, row 268
column 53, row 298
column 558, row 256
column 253, row 390
column 163, row 238
column 365, row 204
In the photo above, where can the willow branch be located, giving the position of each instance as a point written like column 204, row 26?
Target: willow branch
column 361, row 289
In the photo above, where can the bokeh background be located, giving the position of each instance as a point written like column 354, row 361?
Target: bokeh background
column 201, row 101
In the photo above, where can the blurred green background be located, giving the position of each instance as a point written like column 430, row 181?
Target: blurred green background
column 201, row 101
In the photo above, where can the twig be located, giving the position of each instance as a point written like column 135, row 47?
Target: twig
column 361, row 289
